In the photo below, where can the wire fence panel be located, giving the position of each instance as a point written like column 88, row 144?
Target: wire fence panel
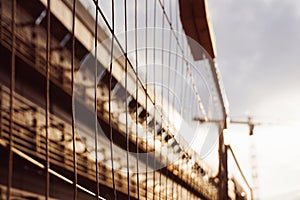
column 98, row 101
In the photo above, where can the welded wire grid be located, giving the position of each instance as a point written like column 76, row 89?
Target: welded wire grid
column 130, row 149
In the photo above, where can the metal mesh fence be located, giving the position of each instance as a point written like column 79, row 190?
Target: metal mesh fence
column 98, row 101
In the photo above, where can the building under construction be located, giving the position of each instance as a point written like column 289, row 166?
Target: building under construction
column 98, row 101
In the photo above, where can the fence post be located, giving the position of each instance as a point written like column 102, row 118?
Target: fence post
column 223, row 168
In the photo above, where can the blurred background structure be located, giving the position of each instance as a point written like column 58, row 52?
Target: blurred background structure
column 92, row 108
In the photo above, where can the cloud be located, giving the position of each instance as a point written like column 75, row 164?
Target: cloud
column 258, row 48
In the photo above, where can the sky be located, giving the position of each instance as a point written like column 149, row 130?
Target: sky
column 258, row 46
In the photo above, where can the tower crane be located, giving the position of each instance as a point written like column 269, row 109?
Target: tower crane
column 253, row 157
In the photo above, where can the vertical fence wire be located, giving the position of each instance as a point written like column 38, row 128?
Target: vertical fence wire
column 137, row 97
column 110, row 114
column 182, row 97
column 146, row 99
column 184, row 100
column 47, row 108
column 175, row 78
column 168, row 90
column 126, row 100
column 189, row 181
column 11, row 102
column 162, row 100
column 154, row 103
column 96, row 103
column 73, row 117
column 181, row 176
